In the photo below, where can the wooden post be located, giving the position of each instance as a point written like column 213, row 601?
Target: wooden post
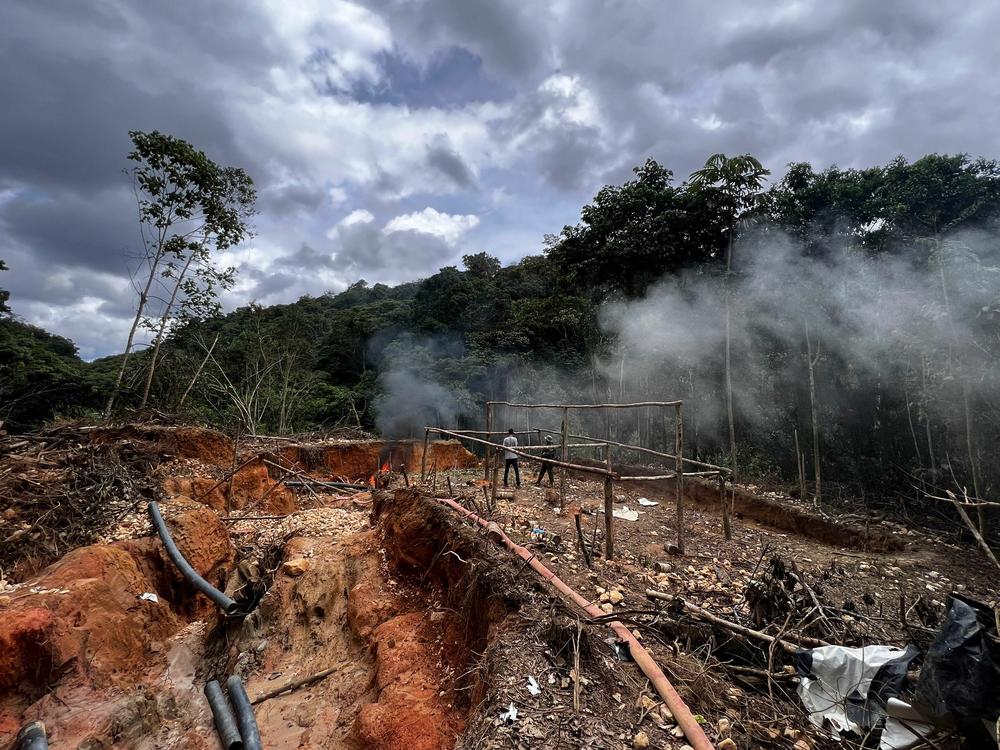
column 434, row 474
column 489, row 439
column 609, row 510
column 423, row 458
column 726, row 527
column 496, row 473
column 565, row 458
column 679, row 470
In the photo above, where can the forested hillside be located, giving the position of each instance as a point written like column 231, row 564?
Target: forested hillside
column 857, row 311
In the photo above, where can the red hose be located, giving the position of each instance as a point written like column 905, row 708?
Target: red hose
column 682, row 714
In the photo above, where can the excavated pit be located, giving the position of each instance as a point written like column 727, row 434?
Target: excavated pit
column 800, row 520
column 111, row 647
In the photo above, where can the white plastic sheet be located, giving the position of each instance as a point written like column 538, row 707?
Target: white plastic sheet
column 842, row 676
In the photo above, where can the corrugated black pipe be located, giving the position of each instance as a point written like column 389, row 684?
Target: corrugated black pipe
column 244, row 714
column 225, row 720
column 226, row 604
column 32, row 737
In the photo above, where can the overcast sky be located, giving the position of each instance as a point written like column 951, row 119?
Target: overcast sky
column 389, row 138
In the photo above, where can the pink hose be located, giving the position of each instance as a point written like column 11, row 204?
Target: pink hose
column 682, row 714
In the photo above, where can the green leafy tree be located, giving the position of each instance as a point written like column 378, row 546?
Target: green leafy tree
column 631, row 235
column 189, row 209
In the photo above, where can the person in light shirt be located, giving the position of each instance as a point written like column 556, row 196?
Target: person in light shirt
column 510, row 458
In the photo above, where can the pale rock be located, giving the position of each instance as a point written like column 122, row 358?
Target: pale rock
column 607, row 608
column 641, row 740
column 615, row 597
column 295, row 567
column 727, row 744
column 724, row 726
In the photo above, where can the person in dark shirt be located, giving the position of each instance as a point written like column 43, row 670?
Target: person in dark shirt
column 548, row 453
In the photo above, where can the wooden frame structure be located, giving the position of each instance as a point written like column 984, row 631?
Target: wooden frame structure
column 494, row 449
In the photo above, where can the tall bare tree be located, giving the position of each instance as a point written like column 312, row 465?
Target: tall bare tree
column 189, row 208
column 738, row 182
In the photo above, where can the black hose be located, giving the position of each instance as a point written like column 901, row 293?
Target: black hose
column 226, row 604
column 244, row 714
column 32, row 737
column 225, row 721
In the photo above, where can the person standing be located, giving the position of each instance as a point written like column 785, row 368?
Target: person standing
column 546, row 456
column 510, row 458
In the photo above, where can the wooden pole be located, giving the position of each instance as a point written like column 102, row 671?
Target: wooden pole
column 518, row 451
column 496, row 473
column 423, row 458
column 647, row 451
column 679, row 486
column 727, row 528
column 489, row 426
column 565, row 458
column 609, row 510
column 586, row 406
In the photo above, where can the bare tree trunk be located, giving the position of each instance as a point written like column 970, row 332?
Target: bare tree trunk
column 729, row 395
column 973, row 464
column 197, row 372
column 163, row 326
column 154, row 263
column 932, row 465
column 729, row 369
column 800, row 465
column 909, row 419
column 812, row 361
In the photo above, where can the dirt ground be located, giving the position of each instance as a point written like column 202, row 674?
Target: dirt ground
column 382, row 619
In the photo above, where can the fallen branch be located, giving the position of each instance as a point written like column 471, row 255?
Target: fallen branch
column 296, row 684
column 972, row 528
column 789, row 643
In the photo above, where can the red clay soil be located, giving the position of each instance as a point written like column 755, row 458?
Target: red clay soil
column 252, row 485
column 206, row 445
column 356, row 461
column 79, row 628
column 347, row 610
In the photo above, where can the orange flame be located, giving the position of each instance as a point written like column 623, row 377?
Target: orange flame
column 386, row 467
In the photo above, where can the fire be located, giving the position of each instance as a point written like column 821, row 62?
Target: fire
column 384, row 469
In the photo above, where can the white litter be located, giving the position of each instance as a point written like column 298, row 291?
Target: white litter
column 533, row 686
column 623, row 513
column 148, row 597
column 510, row 715
column 645, row 501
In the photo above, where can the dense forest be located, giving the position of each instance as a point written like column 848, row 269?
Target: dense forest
column 844, row 322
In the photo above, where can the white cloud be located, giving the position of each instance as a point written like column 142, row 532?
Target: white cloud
column 449, row 227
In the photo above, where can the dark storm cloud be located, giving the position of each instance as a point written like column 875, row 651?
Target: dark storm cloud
column 442, row 158
column 513, row 112
column 97, row 231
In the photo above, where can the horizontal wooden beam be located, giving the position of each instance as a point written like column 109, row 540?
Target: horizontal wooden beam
column 647, row 451
column 585, row 406
column 519, row 452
